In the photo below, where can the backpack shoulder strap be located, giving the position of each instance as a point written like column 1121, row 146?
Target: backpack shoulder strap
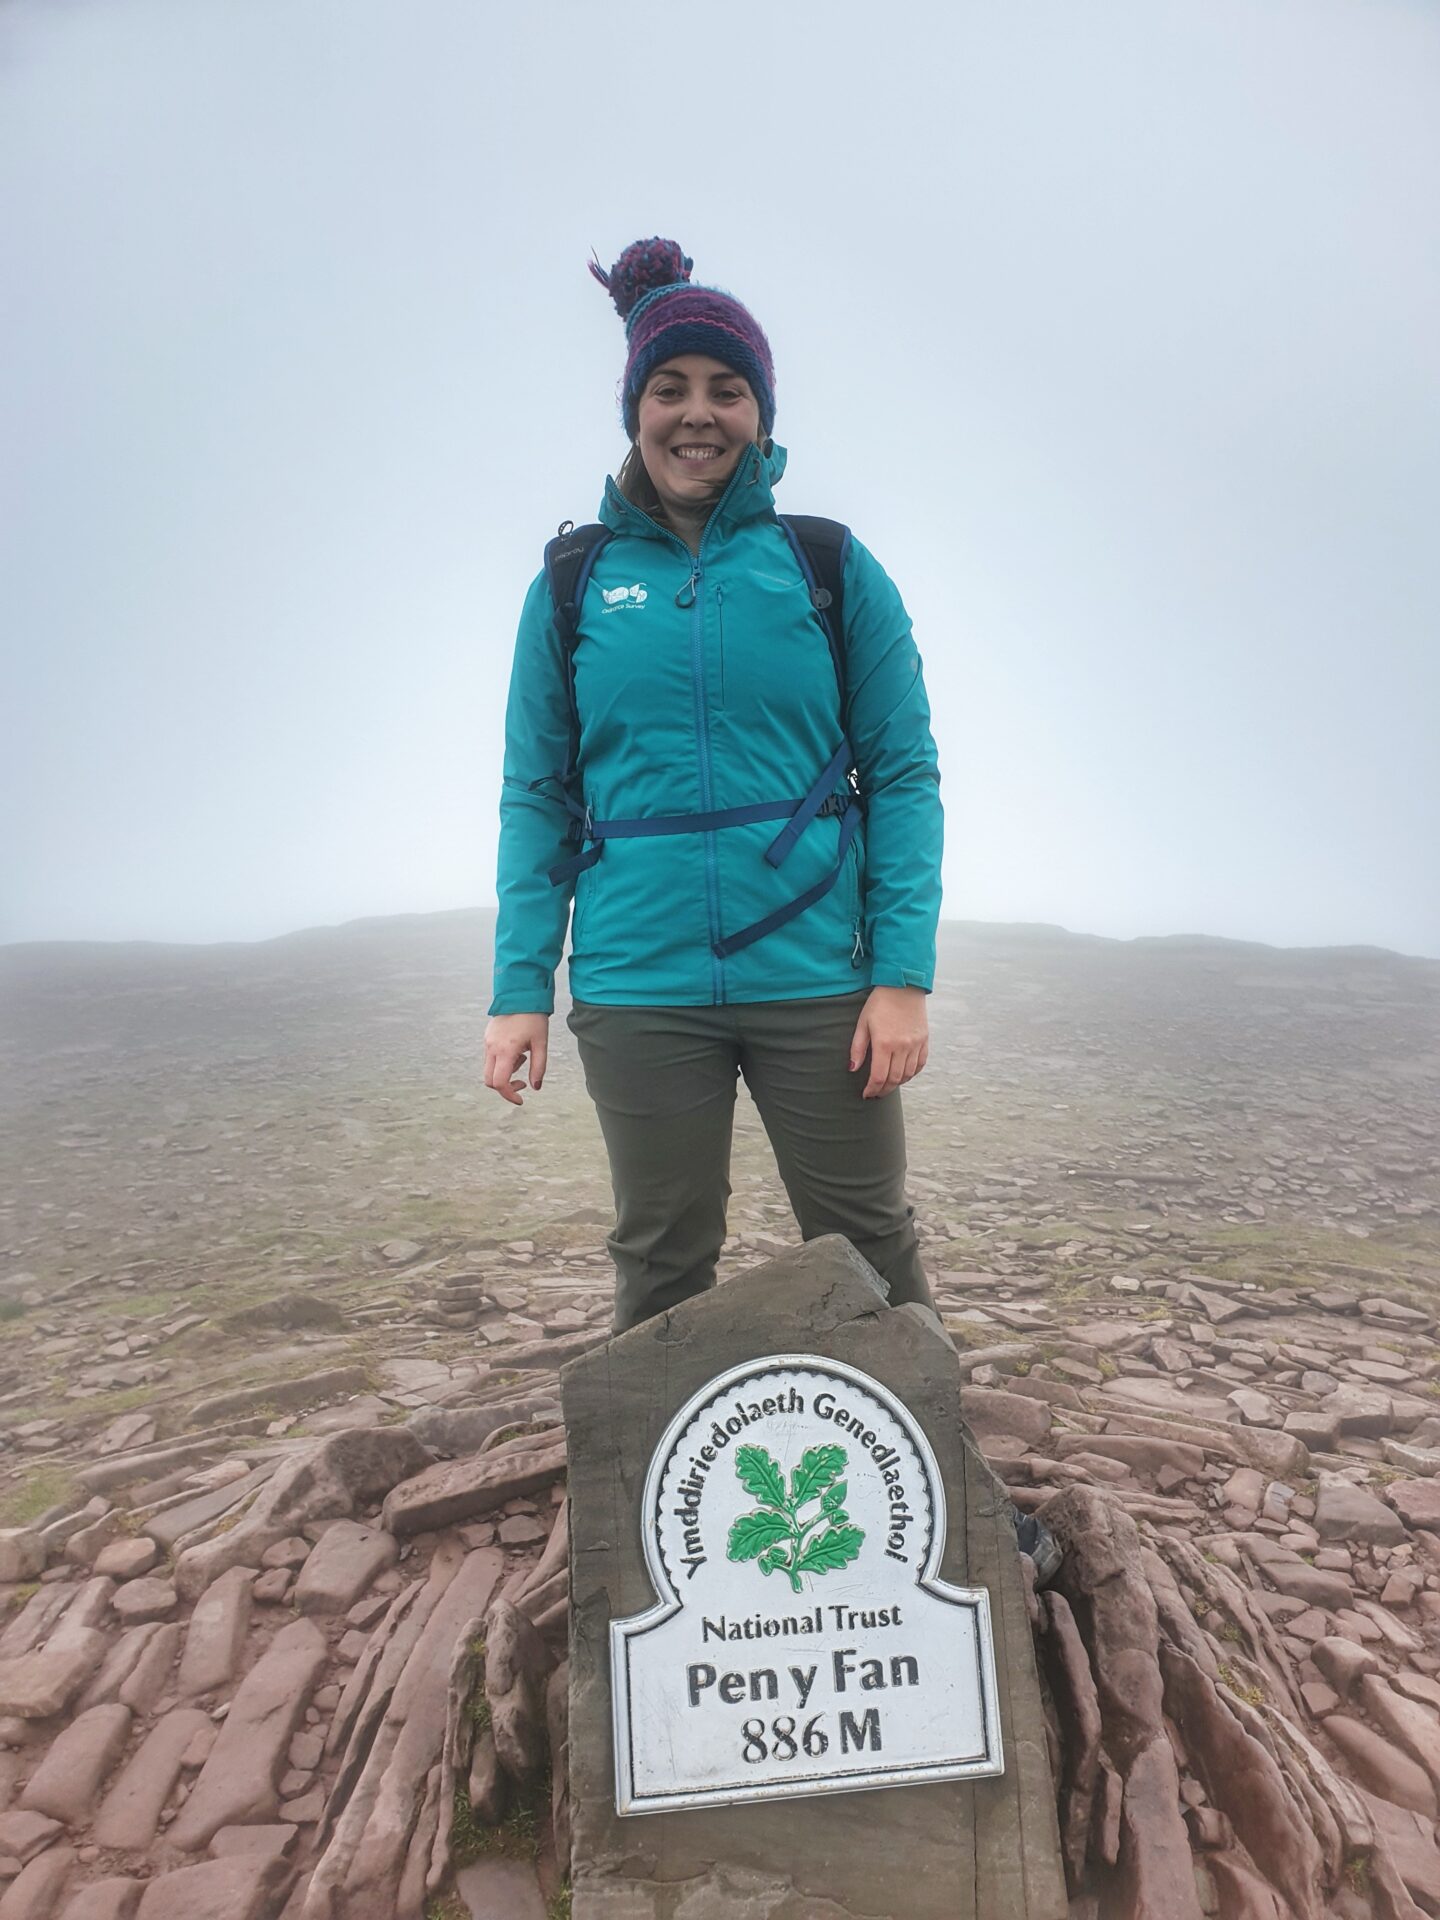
column 569, row 560
column 821, row 547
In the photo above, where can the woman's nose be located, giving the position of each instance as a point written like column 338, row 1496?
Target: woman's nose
column 698, row 411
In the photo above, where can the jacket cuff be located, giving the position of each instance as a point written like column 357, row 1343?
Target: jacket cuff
column 521, row 1002
column 883, row 974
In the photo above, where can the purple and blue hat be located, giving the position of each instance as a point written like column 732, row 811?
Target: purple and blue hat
column 665, row 315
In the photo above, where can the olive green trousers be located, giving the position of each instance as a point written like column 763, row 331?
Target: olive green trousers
column 664, row 1082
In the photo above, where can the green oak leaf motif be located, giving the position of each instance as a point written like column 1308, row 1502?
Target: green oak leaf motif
column 776, row 1537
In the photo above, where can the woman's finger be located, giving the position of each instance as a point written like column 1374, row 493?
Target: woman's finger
column 881, row 1059
column 859, row 1044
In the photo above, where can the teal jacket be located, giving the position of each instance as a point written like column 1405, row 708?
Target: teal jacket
column 705, row 682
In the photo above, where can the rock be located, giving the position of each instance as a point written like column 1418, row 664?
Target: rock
column 141, row 1600
column 291, row 1552
column 1255, row 1409
column 989, row 1413
column 170, row 1525
column 271, row 1843
column 151, row 1671
column 289, row 1312
column 1413, row 1727
column 1410, row 1839
column 1363, row 1411
column 520, row 1530
column 343, row 1566
column 77, row 1765
column 458, row 1490
column 453, row 1431
column 116, row 1668
column 125, row 1431
column 38, row 1685
column 394, row 1749
column 516, row 1665
column 345, row 1472
column 1417, row 1502
column 127, row 1558
column 238, row 1781
column 130, row 1813
column 112, row 1899
column 270, row 1589
column 22, row 1554
column 305, row 1751
column 500, row 1890
column 286, row 1395
column 1380, row 1767
column 1139, row 1452
column 1311, row 1584
column 35, row 1893
column 1103, row 1578
column 24, row 1834
column 1395, row 1312
column 215, row 1637
column 1314, row 1428
column 1243, row 1781
column 1347, row 1512
column 1424, row 1461
column 1343, row 1663
column 243, row 1887
column 1319, row 1699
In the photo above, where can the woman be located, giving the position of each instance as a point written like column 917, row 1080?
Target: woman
column 707, row 697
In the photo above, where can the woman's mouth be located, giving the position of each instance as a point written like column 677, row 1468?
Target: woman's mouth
column 695, row 455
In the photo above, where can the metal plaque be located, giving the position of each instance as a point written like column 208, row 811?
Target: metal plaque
column 803, row 1641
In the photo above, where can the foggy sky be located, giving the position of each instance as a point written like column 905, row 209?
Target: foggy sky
column 1111, row 328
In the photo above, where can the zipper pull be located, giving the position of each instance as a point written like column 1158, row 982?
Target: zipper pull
column 857, row 952
column 691, row 587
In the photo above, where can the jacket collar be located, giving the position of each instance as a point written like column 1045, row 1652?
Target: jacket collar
column 749, row 495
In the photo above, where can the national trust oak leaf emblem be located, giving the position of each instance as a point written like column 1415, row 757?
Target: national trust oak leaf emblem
column 776, row 1535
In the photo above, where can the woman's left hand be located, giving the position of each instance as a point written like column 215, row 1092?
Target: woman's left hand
column 894, row 1030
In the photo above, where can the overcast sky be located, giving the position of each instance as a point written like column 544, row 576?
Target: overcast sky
column 1111, row 326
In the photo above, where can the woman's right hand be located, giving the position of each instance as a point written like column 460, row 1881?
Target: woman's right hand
column 508, row 1038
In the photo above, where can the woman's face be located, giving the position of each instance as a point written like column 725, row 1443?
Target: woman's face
column 696, row 418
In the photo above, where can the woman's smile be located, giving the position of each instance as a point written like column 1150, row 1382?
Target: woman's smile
column 695, row 419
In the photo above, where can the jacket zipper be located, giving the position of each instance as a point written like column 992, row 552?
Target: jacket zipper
column 702, row 722
column 720, row 619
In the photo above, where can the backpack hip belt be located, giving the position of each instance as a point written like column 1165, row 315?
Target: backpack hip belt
column 818, row 804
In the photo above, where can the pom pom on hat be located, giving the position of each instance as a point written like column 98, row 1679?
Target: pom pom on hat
column 644, row 267
column 665, row 316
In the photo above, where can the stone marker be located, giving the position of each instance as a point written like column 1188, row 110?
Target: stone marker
column 804, row 1583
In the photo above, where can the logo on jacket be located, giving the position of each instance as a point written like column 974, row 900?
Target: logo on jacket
column 617, row 597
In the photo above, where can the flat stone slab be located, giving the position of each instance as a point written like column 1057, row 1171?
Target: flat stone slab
column 349, row 1557
column 215, row 1637
column 500, row 1890
column 131, row 1811
column 238, row 1783
column 37, row 1685
column 947, row 1849
column 113, row 1899
column 458, row 1490
column 67, row 1780
column 243, row 1887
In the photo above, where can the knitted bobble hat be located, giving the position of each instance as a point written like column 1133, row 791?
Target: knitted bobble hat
column 665, row 315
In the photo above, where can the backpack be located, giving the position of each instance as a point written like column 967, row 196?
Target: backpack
column 820, row 546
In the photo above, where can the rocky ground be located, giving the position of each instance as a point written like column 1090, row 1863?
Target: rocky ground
column 284, row 1294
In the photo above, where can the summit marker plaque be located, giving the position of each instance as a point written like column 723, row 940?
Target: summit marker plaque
column 793, row 1524
column 825, row 1604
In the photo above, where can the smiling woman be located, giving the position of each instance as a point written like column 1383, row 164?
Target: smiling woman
column 727, row 705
